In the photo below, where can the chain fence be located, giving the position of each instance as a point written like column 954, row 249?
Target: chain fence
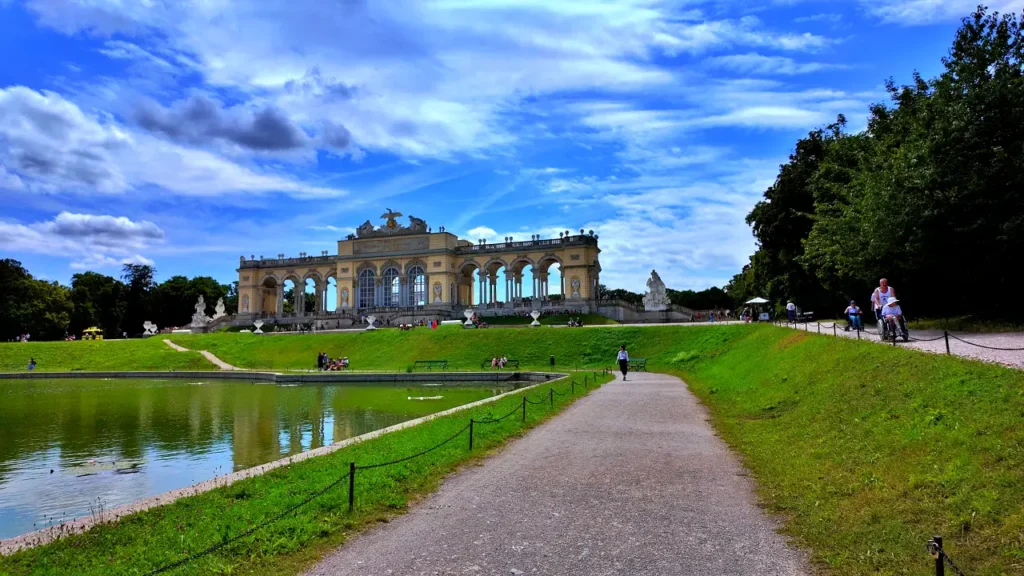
column 350, row 476
column 934, row 547
column 945, row 336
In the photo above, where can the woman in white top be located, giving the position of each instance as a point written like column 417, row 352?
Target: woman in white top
column 623, row 361
column 881, row 295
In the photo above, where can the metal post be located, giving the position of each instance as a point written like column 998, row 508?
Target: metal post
column 945, row 334
column 834, row 329
column 351, row 486
column 819, row 327
column 551, row 395
column 471, row 434
column 940, row 567
column 524, row 408
column 858, row 334
column 572, row 385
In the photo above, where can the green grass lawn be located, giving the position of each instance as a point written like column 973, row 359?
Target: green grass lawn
column 555, row 320
column 147, row 540
column 136, row 354
column 865, row 450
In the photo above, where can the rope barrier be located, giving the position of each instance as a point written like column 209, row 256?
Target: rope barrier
column 493, row 420
column 532, row 402
column 985, row 347
column 248, row 532
column 928, row 339
column 417, row 455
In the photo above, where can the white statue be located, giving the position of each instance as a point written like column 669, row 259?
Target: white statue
column 344, row 297
column 656, row 298
column 245, row 304
column 259, row 325
column 218, row 310
column 200, row 319
column 468, row 313
column 437, row 293
column 149, row 327
column 575, row 284
column 535, row 314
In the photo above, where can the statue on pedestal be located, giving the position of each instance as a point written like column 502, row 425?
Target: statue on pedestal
column 218, row 310
column 199, row 319
column 656, row 298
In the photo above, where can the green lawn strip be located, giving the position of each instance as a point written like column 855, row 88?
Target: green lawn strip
column 147, row 540
column 553, row 320
column 99, row 355
column 868, row 451
column 464, row 349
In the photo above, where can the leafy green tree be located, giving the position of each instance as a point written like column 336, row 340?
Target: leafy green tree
column 138, row 300
column 97, row 301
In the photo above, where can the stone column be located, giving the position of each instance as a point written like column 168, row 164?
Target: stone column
column 279, row 299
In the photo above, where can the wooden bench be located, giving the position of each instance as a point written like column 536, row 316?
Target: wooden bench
column 638, row 364
column 805, row 316
column 510, row 363
column 430, row 364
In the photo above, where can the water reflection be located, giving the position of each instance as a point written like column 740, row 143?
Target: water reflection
column 72, row 447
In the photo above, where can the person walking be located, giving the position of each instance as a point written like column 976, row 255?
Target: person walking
column 791, row 311
column 881, row 296
column 31, row 363
column 623, row 361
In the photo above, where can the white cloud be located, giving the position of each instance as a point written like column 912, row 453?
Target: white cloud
column 51, row 145
column 685, row 37
column 91, row 240
column 482, row 232
column 823, row 17
column 753, row 63
column 920, row 12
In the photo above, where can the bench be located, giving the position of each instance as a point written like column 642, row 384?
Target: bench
column 638, row 364
column 805, row 316
column 511, row 363
column 430, row 364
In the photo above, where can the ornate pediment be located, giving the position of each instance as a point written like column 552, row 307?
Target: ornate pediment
column 391, row 226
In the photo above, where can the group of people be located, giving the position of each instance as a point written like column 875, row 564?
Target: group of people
column 883, row 302
column 477, row 322
column 575, row 323
column 325, row 363
column 499, row 361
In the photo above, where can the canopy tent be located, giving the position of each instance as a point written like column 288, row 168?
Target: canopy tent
column 93, row 330
column 757, row 300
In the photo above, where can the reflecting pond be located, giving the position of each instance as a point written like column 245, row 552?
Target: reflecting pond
column 71, row 447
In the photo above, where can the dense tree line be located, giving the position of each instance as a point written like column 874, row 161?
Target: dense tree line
column 928, row 196
column 707, row 299
column 50, row 311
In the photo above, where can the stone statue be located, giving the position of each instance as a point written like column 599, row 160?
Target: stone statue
column 365, row 229
column 218, row 310
column 437, row 292
column 575, row 284
column 416, row 225
column 344, row 297
column 149, row 327
column 656, row 298
column 390, row 216
column 245, row 304
column 199, row 319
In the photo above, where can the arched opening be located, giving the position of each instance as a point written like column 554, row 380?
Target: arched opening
column 417, row 283
column 290, row 295
column 267, row 303
column 392, row 287
column 548, row 283
column 331, row 295
column 496, row 282
column 367, row 287
column 310, row 296
column 468, row 285
column 555, row 284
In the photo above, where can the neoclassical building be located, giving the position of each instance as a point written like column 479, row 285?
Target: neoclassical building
column 396, row 270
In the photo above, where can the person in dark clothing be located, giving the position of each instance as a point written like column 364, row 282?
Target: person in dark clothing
column 623, row 361
column 321, row 359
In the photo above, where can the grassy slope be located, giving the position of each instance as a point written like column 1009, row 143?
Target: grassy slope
column 554, row 320
column 464, row 349
column 148, row 354
column 150, row 539
column 869, row 450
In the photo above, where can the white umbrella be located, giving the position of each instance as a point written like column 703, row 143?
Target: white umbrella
column 757, row 301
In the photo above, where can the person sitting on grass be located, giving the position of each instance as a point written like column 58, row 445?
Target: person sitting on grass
column 494, row 362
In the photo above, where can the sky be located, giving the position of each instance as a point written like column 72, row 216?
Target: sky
column 187, row 133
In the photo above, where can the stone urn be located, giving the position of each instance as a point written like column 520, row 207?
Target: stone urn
column 373, row 321
column 258, row 324
column 535, row 314
column 469, row 318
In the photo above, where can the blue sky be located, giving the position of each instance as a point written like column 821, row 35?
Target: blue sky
column 187, row 133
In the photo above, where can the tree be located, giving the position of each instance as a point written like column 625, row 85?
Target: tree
column 138, row 296
column 29, row 306
column 97, row 301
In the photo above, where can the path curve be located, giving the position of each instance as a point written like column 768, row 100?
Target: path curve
column 208, row 355
column 629, row 480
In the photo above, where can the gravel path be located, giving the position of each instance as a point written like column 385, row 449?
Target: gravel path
column 630, row 480
column 937, row 344
column 208, row 355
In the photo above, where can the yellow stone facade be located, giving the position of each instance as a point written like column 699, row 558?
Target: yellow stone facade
column 395, row 267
